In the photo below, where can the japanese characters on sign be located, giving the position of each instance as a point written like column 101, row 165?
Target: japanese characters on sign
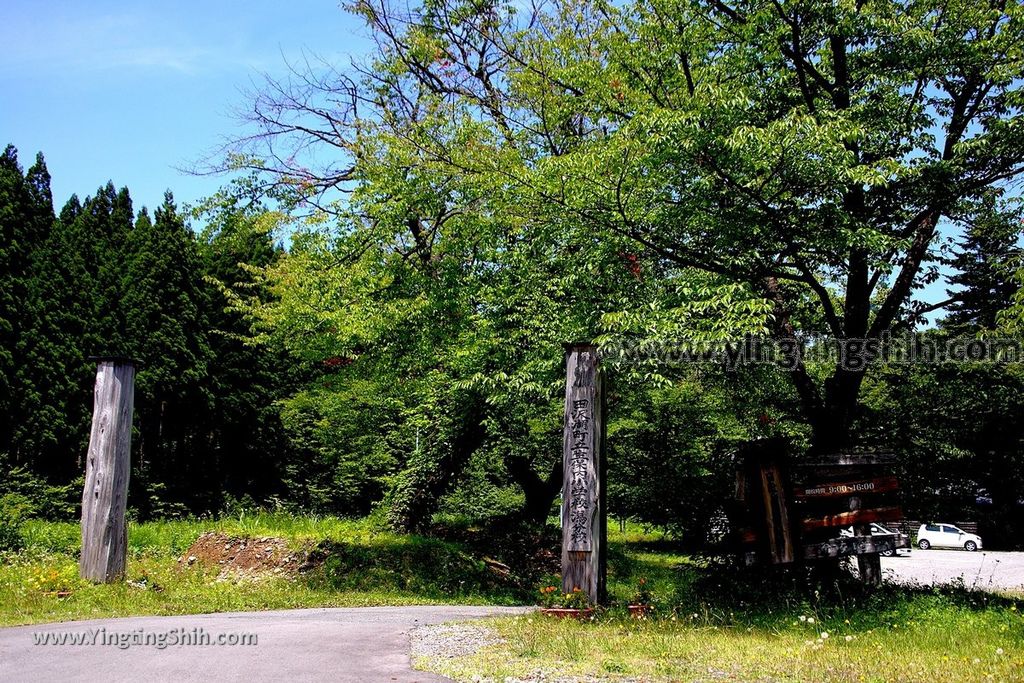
column 580, row 430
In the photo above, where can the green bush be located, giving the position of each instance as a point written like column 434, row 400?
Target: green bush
column 425, row 566
column 14, row 509
column 47, row 501
column 52, row 537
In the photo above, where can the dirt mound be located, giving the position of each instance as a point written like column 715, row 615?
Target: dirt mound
column 246, row 557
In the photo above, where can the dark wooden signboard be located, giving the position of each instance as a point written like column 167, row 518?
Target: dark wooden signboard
column 796, row 511
column 846, row 488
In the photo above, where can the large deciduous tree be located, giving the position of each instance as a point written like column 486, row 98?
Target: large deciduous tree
column 799, row 155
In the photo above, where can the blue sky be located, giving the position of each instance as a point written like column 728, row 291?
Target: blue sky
column 128, row 91
column 132, row 91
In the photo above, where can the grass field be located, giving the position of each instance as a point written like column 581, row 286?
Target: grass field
column 368, row 566
column 711, row 623
column 716, row 624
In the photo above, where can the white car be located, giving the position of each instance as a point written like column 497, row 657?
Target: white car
column 946, row 536
column 877, row 530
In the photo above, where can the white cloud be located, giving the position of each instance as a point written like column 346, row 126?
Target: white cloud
column 75, row 42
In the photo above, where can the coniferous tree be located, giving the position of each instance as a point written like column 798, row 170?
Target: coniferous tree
column 166, row 331
column 985, row 264
column 63, row 335
column 249, row 447
column 32, row 366
column 77, row 303
column 26, row 217
column 14, row 202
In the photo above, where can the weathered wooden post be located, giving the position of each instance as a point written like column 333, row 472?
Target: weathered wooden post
column 584, row 516
column 868, row 564
column 107, row 467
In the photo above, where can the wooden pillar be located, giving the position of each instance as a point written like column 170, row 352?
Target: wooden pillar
column 869, row 564
column 776, row 512
column 107, row 468
column 584, row 517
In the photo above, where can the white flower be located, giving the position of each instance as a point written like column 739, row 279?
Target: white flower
column 824, row 635
column 810, row 620
column 999, row 650
column 803, row 618
column 977, row 661
column 849, row 638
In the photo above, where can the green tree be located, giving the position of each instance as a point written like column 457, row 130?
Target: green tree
column 807, row 152
column 14, row 219
column 985, row 264
column 164, row 308
column 248, row 451
column 26, row 213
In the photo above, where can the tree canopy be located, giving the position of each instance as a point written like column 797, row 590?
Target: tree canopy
column 794, row 162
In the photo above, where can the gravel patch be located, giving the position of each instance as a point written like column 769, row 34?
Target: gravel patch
column 448, row 641
column 445, row 641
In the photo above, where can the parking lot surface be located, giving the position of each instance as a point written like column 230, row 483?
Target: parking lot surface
column 982, row 570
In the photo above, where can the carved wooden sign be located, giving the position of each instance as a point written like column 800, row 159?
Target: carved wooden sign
column 581, row 473
column 582, row 513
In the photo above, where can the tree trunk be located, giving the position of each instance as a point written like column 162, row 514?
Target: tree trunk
column 429, row 478
column 539, row 494
column 831, row 419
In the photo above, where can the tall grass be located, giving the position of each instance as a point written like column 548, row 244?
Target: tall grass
column 361, row 563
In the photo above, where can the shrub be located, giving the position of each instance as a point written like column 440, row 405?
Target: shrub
column 14, row 508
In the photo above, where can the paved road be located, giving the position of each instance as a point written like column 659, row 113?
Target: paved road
column 345, row 644
column 983, row 569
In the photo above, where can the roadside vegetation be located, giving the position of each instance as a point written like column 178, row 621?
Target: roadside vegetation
column 715, row 622
column 356, row 563
column 920, row 636
column 711, row 621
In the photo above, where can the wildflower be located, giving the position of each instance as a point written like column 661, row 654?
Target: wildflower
column 803, row 618
column 810, row 620
column 849, row 638
column 824, row 635
column 999, row 650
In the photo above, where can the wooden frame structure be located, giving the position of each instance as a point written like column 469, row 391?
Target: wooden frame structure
column 792, row 512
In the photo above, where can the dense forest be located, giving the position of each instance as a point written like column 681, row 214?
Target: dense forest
column 496, row 187
column 99, row 278
column 227, row 416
